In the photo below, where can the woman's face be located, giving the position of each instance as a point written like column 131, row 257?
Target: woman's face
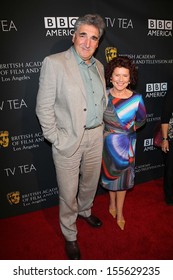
column 120, row 78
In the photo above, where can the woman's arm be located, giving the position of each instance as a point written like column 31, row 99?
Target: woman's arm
column 165, row 142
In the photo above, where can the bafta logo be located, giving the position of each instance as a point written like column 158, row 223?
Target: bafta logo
column 4, row 138
column 13, row 197
column 110, row 53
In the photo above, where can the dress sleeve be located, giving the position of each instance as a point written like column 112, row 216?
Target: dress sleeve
column 140, row 113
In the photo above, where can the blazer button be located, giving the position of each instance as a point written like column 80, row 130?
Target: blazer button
column 85, row 109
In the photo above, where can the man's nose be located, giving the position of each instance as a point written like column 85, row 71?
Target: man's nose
column 88, row 42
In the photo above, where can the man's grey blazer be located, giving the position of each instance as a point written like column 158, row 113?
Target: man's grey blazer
column 61, row 101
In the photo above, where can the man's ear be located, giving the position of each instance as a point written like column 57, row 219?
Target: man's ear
column 73, row 37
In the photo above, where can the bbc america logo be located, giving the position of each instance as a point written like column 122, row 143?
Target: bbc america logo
column 148, row 142
column 160, row 24
column 156, row 87
column 158, row 27
column 59, row 22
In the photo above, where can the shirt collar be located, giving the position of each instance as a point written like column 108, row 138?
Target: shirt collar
column 80, row 60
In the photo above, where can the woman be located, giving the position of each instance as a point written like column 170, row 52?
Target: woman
column 125, row 113
column 167, row 147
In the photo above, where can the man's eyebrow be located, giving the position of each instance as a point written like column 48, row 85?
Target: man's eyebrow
column 93, row 36
column 82, row 33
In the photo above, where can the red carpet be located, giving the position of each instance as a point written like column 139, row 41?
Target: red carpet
column 148, row 233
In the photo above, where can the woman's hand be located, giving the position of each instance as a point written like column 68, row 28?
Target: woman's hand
column 165, row 146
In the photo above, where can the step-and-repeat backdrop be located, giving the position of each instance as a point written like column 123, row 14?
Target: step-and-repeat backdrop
column 31, row 30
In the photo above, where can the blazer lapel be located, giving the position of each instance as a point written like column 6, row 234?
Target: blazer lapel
column 75, row 72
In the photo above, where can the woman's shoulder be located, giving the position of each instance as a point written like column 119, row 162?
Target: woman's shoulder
column 137, row 95
column 134, row 95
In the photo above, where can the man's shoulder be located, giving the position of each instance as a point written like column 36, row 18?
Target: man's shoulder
column 99, row 64
column 59, row 56
column 98, row 61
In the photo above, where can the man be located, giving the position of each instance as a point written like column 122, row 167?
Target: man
column 70, row 104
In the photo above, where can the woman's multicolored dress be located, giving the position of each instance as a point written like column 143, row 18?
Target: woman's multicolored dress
column 122, row 118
